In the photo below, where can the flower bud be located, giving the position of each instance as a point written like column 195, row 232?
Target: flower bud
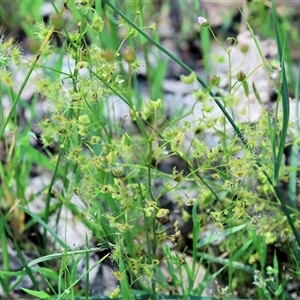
column 215, row 80
column 275, row 65
column 106, row 189
column 97, row 23
column 56, row 21
column 153, row 26
column 95, row 139
column 244, row 48
column 241, row 76
column 162, row 215
column 84, row 119
column 188, row 79
column 132, row 32
column 203, row 22
column 190, row 201
column 177, row 176
column 154, row 105
column 117, row 171
column 129, row 55
column 108, row 55
column 82, row 130
column 211, row 154
column 149, row 211
column 82, row 64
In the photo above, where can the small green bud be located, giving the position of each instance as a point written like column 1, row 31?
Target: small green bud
column 188, row 79
column 84, row 119
column 129, row 55
column 124, row 227
column 211, row 154
column 145, row 113
column 162, row 215
column 82, row 130
column 149, row 211
column 95, row 139
column 74, row 37
column 83, row 3
column 44, row 124
column 108, row 55
column 244, row 48
column 106, row 189
column 85, row 55
column 154, row 105
column 215, row 80
column 177, row 176
column 190, row 201
column 6, row 78
column 241, row 76
column 81, row 64
column 132, row 32
column 153, row 26
column 33, row 45
column 56, row 21
column 97, row 23
column 201, row 95
column 275, row 65
column 117, row 171
column 15, row 55
column 47, row 139
column 185, row 217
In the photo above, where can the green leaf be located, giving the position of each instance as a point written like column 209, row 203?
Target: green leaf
column 216, row 235
column 278, row 291
column 246, row 88
column 285, row 99
column 39, row 294
column 256, row 93
column 32, row 134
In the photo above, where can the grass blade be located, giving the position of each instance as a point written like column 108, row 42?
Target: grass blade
column 286, row 114
column 292, row 191
column 285, row 100
column 216, row 235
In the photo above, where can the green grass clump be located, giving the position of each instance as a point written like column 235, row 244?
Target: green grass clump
column 111, row 159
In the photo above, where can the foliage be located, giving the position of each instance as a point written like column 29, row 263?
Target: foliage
column 111, row 163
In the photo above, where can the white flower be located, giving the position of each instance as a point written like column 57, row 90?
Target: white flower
column 203, row 22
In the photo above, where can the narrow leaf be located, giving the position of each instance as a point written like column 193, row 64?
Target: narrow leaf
column 39, row 294
column 216, row 235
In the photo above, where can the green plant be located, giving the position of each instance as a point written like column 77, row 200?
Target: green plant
column 102, row 160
